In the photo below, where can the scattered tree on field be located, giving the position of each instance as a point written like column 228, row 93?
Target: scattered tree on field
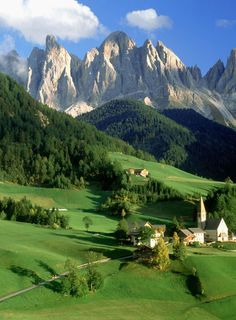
column 122, row 230
column 87, row 222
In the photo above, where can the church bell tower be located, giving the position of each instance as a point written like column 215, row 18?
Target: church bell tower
column 201, row 215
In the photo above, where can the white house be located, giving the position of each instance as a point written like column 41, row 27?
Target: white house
column 134, row 232
column 198, row 234
column 216, row 230
column 191, row 235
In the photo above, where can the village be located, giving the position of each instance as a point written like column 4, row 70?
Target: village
column 206, row 231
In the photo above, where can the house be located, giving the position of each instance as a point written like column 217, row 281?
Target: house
column 191, row 235
column 186, row 236
column 138, row 172
column 216, row 230
column 151, row 242
column 198, row 234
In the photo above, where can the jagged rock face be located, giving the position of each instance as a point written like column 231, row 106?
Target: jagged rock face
column 50, row 77
column 196, row 73
column 227, row 83
column 118, row 68
column 213, row 76
column 13, row 65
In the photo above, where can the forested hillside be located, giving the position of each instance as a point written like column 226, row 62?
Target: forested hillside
column 195, row 144
column 41, row 146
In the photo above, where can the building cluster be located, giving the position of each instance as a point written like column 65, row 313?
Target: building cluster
column 207, row 230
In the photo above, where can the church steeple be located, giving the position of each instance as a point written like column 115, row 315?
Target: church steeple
column 201, row 214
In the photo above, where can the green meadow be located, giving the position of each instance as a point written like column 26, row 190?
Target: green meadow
column 30, row 253
column 182, row 181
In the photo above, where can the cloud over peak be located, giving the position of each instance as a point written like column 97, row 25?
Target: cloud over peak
column 148, row 20
column 34, row 19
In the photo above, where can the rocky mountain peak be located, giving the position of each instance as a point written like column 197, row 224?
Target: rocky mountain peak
column 168, row 57
column 116, row 43
column 213, row 76
column 51, row 42
column 196, row 73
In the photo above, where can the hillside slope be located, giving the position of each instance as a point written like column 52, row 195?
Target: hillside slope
column 204, row 148
column 41, row 146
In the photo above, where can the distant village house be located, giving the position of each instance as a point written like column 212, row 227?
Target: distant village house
column 151, row 242
column 138, row 172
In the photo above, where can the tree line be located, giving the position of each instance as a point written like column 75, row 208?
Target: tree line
column 24, row 211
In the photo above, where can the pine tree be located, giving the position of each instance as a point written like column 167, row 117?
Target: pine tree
column 160, row 258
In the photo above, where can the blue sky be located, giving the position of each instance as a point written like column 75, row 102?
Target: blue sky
column 198, row 31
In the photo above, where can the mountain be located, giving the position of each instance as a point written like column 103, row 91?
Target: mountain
column 41, row 146
column 120, row 69
column 182, row 138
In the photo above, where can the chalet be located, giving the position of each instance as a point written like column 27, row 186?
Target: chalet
column 191, row 235
column 138, row 172
column 134, row 233
column 198, row 234
column 186, row 236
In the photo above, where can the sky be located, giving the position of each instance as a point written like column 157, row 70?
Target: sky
column 199, row 31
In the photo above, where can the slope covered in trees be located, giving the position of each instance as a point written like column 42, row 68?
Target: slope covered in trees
column 41, row 146
column 195, row 144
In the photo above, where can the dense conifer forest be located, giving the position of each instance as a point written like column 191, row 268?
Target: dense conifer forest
column 194, row 144
column 41, row 146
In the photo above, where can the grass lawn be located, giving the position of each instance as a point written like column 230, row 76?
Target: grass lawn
column 180, row 180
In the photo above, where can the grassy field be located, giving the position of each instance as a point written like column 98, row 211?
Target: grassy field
column 134, row 291
column 78, row 203
column 180, row 180
column 31, row 253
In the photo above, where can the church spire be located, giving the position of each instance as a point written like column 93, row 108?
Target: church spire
column 201, row 214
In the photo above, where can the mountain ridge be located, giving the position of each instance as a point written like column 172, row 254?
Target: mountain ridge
column 120, row 69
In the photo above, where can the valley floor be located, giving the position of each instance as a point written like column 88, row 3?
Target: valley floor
column 30, row 253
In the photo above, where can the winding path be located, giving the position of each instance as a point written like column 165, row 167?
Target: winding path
column 61, row 275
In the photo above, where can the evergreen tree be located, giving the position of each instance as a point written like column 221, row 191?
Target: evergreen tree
column 122, row 230
column 160, row 256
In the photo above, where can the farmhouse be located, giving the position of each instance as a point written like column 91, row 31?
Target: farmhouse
column 191, row 235
column 138, row 172
column 208, row 229
column 134, row 233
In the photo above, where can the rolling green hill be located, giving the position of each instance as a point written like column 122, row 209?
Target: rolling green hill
column 182, row 181
column 194, row 144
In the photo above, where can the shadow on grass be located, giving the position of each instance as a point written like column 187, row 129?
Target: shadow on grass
column 24, row 272
column 46, row 267
column 195, row 286
column 55, row 286
column 92, row 238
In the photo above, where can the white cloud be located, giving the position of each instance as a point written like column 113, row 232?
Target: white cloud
column 7, row 44
column 148, row 20
column 225, row 23
column 34, row 19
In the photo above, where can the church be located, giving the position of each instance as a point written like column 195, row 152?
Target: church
column 207, row 229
